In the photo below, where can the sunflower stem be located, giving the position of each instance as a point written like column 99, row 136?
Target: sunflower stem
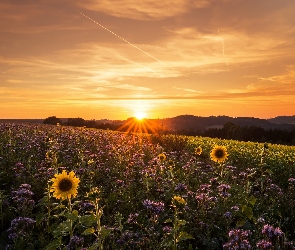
column 48, row 208
column 71, row 221
column 98, row 212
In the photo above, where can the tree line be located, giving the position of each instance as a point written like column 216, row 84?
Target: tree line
column 230, row 131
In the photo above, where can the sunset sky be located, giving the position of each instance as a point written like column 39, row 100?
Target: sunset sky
column 110, row 59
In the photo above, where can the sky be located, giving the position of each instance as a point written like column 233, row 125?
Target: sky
column 114, row 59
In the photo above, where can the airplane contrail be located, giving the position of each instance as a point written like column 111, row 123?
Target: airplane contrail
column 127, row 41
column 223, row 47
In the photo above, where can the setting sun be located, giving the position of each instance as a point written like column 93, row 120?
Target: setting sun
column 139, row 115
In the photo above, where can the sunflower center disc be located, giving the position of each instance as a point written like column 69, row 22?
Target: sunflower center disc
column 219, row 153
column 65, row 185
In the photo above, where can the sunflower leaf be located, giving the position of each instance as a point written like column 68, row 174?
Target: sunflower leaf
column 89, row 231
column 72, row 216
column 87, row 220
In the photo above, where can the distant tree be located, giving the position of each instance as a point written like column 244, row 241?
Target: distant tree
column 76, row 122
column 52, row 120
column 91, row 124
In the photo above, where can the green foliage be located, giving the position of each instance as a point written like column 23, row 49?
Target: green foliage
column 130, row 198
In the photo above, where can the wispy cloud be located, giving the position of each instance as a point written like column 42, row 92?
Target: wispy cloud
column 144, row 10
column 204, row 52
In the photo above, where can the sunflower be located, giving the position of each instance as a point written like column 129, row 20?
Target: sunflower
column 162, row 157
column 178, row 200
column 219, row 154
column 198, row 151
column 64, row 185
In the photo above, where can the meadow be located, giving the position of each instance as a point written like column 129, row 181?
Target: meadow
column 75, row 188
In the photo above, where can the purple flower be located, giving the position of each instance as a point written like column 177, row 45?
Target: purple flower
column 227, row 215
column 268, row 230
column 223, row 188
column 87, row 206
column 75, row 242
column 22, row 198
column 132, row 218
column 291, row 181
column 155, row 207
column 129, row 238
column 167, row 229
column 204, row 188
column 180, row 187
column 278, row 232
column 20, row 227
column 260, row 220
column 263, row 244
column 238, row 239
column 235, row 208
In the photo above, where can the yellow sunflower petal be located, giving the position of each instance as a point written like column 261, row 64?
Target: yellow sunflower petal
column 219, row 154
column 64, row 185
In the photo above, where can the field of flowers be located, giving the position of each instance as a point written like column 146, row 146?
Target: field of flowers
column 76, row 188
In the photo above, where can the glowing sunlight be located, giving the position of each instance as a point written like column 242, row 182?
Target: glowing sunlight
column 139, row 115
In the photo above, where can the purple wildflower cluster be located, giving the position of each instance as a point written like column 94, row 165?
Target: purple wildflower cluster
column 264, row 244
column 271, row 232
column 22, row 198
column 227, row 215
column 291, row 181
column 20, row 227
column 180, row 187
column 132, row 218
column 238, row 239
column 44, row 173
column 205, row 198
column 129, row 238
column 275, row 238
column 275, row 189
column 205, row 188
column 75, row 243
column 86, row 206
column 223, row 188
column 19, row 170
column 167, row 229
column 153, row 206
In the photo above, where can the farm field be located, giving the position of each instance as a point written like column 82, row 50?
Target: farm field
column 76, row 188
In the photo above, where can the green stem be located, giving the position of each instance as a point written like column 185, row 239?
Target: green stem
column 48, row 209
column 175, row 229
column 71, row 222
column 1, row 209
column 98, row 216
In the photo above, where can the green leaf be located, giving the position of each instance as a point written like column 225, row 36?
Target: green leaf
column 95, row 246
column 53, row 245
column 248, row 211
column 181, row 222
column 73, row 216
column 268, row 171
column 89, row 231
column 62, row 229
column 105, row 232
column 252, row 200
column 87, row 220
column 39, row 218
column 168, row 221
column 184, row 236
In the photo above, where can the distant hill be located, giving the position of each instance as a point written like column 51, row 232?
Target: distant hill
column 198, row 123
column 283, row 119
column 22, row 120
